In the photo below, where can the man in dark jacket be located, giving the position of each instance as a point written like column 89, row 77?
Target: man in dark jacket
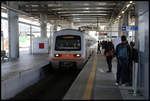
column 123, row 54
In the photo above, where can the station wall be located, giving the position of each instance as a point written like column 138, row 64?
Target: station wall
column 142, row 41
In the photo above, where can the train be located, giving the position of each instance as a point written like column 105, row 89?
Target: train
column 70, row 48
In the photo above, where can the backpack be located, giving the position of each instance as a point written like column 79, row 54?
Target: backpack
column 122, row 51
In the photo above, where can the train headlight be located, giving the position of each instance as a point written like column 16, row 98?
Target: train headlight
column 77, row 55
column 57, row 55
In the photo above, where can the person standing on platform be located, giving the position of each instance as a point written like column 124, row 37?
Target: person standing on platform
column 105, row 46
column 100, row 45
column 123, row 55
column 98, row 48
column 134, row 58
column 109, row 55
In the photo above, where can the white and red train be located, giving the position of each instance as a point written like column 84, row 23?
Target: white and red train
column 70, row 47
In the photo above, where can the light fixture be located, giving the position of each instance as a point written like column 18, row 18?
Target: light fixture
column 119, row 16
column 128, row 5
column 122, row 12
column 77, row 55
column 131, row 2
column 57, row 55
column 3, row 7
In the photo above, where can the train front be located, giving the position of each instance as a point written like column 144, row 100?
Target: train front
column 68, row 50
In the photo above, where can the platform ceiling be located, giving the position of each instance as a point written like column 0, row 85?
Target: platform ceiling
column 74, row 11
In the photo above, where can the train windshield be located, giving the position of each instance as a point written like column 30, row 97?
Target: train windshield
column 68, row 42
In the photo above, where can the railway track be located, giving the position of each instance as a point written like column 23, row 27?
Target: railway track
column 53, row 85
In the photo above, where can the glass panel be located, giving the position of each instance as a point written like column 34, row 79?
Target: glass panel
column 24, row 20
column 48, row 29
column 36, row 32
column 68, row 42
column 4, row 14
column 24, row 38
column 4, row 36
column 29, row 21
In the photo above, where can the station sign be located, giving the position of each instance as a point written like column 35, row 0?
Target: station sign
column 114, row 36
column 130, row 28
column 102, row 34
column 101, row 37
column 41, row 45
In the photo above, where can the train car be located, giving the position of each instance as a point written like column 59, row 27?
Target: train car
column 69, row 48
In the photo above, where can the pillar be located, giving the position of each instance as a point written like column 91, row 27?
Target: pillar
column 13, row 31
column 55, row 26
column 120, row 27
column 30, row 39
column 125, row 23
column 43, row 25
column 136, row 24
column 72, row 25
column 110, row 33
column 2, row 40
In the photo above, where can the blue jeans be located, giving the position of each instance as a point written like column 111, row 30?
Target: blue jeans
column 122, row 71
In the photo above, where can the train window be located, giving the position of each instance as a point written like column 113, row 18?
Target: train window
column 68, row 42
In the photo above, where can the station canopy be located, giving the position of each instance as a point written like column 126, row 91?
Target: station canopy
column 78, row 12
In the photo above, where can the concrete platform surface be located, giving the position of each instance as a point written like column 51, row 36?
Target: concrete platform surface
column 23, row 63
column 93, row 83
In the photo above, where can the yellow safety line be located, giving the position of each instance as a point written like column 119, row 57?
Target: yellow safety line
column 87, row 93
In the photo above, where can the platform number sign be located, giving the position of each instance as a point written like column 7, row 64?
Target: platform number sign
column 123, row 28
column 129, row 28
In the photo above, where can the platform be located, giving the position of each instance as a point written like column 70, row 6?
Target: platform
column 18, row 74
column 93, row 83
column 23, row 63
